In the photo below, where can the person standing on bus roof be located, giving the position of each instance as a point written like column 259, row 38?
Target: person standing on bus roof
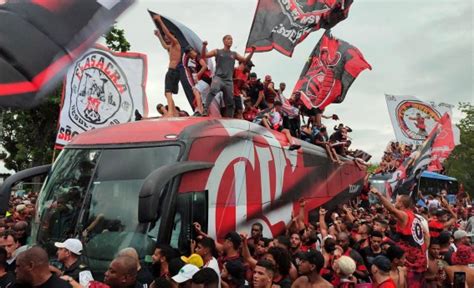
column 171, row 44
column 223, row 78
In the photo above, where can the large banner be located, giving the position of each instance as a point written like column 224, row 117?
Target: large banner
column 282, row 24
column 102, row 88
column 412, row 119
column 436, row 147
column 40, row 39
column 329, row 72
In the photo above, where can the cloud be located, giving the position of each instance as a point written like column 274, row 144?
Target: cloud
column 421, row 48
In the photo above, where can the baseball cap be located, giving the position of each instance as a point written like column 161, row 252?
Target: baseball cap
column 459, row 234
column 186, row 273
column 71, row 244
column 249, row 64
column 253, row 75
column 233, row 237
column 440, row 212
column 194, row 259
column 383, row 263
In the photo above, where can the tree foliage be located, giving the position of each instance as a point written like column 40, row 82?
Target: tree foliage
column 28, row 136
column 460, row 163
column 116, row 40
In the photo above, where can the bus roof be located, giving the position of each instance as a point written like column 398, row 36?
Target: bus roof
column 165, row 129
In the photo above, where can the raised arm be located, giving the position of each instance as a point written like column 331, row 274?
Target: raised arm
column 167, row 32
column 205, row 54
column 246, row 59
column 162, row 41
column 322, row 223
column 246, row 252
column 454, row 217
column 399, row 214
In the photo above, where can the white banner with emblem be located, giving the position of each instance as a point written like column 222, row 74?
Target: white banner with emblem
column 413, row 119
column 102, row 88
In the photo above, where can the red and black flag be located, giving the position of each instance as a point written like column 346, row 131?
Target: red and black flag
column 282, row 24
column 329, row 72
column 186, row 37
column 39, row 39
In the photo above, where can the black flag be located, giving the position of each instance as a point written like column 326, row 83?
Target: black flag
column 282, row 24
column 39, row 39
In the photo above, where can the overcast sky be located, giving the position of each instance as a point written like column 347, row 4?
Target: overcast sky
column 421, row 48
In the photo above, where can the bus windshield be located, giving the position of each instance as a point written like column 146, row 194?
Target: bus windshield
column 93, row 194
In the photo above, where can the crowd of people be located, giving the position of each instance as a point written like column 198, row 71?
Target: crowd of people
column 358, row 244
column 393, row 157
column 234, row 91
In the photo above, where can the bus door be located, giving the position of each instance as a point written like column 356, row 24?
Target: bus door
column 190, row 207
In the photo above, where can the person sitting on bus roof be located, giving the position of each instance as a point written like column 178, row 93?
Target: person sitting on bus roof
column 321, row 139
column 274, row 120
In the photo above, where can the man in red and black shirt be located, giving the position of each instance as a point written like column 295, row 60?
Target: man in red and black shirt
column 439, row 222
column 412, row 237
column 269, row 91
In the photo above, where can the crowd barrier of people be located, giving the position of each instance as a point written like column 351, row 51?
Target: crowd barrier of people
column 356, row 245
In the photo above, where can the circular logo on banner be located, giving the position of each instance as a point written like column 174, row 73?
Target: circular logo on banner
column 416, row 119
column 417, row 231
column 99, row 94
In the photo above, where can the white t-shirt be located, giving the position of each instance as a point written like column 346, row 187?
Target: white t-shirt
column 214, row 266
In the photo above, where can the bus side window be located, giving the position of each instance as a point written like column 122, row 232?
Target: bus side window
column 190, row 207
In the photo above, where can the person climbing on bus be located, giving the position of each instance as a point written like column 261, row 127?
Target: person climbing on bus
column 274, row 120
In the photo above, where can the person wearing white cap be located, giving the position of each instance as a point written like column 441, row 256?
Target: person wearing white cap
column 185, row 274
column 68, row 254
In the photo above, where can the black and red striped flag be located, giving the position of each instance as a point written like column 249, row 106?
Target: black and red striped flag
column 283, row 24
column 39, row 39
column 329, row 72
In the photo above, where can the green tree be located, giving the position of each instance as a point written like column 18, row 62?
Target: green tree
column 116, row 40
column 28, row 136
column 460, row 162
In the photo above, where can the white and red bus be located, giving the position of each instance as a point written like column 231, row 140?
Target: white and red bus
column 138, row 183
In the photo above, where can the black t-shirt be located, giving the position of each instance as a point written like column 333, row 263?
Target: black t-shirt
column 55, row 282
column 368, row 254
column 7, row 280
column 254, row 91
column 144, row 276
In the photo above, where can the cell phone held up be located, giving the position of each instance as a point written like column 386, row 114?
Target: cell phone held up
column 459, row 280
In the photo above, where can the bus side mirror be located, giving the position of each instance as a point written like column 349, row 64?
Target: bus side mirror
column 152, row 188
column 6, row 188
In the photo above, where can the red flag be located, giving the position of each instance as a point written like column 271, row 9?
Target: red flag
column 443, row 144
column 329, row 72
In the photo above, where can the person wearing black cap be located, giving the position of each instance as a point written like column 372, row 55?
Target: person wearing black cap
column 256, row 92
column 380, row 268
column 231, row 248
column 309, row 265
column 439, row 221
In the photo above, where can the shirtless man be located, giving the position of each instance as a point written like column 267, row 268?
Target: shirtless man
column 171, row 44
column 309, row 266
column 223, row 78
